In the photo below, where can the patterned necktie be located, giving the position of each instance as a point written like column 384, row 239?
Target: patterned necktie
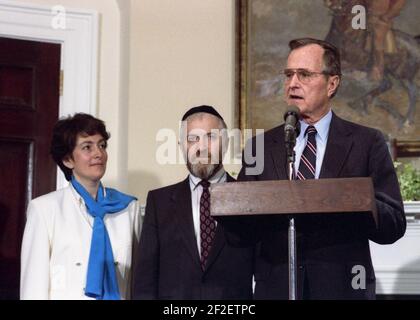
column 207, row 223
column 308, row 159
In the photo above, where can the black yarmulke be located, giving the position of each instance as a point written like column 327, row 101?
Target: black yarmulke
column 205, row 109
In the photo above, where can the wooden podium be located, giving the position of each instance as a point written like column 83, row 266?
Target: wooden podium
column 296, row 197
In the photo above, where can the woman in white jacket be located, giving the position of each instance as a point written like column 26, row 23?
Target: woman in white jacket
column 78, row 241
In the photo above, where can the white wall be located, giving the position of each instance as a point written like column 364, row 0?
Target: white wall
column 109, row 106
column 182, row 55
column 157, row 58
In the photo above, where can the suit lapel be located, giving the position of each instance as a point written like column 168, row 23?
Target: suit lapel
column 278, row 154
column 338, row 147
column 229, row 178
column 183, row 214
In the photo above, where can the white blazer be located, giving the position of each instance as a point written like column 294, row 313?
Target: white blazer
column 56, row 245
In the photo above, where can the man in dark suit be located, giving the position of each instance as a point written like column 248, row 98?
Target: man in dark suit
column 183, row 253
column 333, row 255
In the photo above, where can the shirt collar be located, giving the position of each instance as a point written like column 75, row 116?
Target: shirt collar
column 322, row 127
column 76, row 195
column 218, row 177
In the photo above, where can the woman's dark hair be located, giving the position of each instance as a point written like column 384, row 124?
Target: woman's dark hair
column 65, row 134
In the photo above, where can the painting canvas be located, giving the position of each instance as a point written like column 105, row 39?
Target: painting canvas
column 390, row 104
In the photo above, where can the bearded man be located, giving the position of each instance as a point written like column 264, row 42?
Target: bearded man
column 183, row 252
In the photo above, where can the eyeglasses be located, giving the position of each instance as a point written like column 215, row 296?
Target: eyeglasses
column 304, row 75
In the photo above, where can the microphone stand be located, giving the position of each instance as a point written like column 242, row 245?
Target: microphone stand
column 292, row 230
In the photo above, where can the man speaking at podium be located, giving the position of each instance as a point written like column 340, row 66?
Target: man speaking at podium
column 331, row 249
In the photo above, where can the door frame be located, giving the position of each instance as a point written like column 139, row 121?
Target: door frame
column 79, row 50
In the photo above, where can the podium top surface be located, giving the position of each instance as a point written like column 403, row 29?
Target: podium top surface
column 343, row 195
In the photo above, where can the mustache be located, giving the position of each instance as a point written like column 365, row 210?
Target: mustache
column 203, row 171
column 203, row 157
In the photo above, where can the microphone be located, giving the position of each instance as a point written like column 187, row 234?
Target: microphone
column 291, row 130
column 292, row 124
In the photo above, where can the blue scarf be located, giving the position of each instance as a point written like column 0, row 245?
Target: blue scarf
column 101, row 282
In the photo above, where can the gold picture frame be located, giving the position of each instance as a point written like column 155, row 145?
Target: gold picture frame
column 261, row 53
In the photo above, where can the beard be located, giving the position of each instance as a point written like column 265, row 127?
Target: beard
column 203, row 171
column 203, row 168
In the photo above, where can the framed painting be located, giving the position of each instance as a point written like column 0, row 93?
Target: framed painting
column 389, row 102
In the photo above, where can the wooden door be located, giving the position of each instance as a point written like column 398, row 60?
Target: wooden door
column 29, row 105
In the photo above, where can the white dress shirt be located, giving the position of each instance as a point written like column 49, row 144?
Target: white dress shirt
column 196, row 192
column 322, row 128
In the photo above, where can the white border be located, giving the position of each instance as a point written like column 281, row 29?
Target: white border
column 397, row 266
column 79, row 51
column 412, row 207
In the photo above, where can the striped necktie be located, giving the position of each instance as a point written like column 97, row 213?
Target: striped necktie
column 307, row 164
